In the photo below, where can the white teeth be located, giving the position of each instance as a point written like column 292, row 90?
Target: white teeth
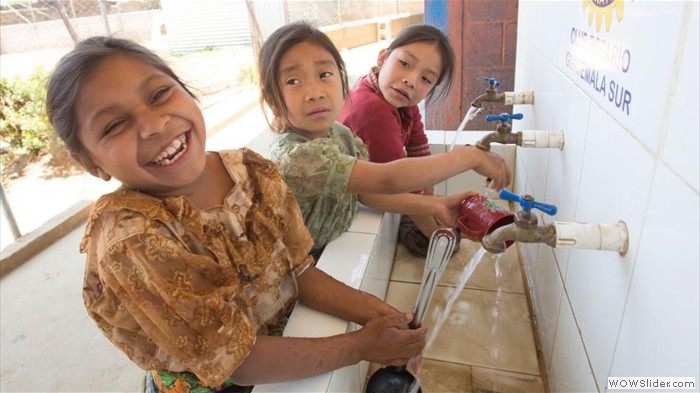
column 166, row 157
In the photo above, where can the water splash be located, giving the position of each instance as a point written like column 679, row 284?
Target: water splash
column 497, row 267
column 471, row 113
column 494, row 310
column 463, row 278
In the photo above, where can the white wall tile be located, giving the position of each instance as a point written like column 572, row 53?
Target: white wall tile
column 564, row 169
column 682, row 140
column 660, row 329
column 650, row 66
column 439, row 189
column 615, row 184
column 546, row 288
column 346, row 379
column 520, row 176
column 541, row 117
column 551, row 27
column 570, row 371
column 472, row 181
column 604, row 174
column 367, row 220
column 346, row 257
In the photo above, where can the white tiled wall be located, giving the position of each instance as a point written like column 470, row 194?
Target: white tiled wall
column 601, row 314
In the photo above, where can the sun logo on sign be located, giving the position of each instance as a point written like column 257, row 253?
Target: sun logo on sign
column 602, row 8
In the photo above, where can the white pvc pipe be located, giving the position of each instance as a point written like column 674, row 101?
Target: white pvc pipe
column 524, row 97
column 538, row 138
column 611, row 237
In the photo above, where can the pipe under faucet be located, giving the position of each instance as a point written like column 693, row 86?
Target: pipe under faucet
column 611, row 237
column 503, row 135
column 507, row 98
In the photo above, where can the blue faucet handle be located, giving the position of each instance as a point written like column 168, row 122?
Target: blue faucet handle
column 525, row 204
column 504, row 117
column 493, row 81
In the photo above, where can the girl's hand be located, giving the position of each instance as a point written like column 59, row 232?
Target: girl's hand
column 447, row 208
column 389, row 340
column 492, row 166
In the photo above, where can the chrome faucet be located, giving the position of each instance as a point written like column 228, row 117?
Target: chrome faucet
column 611, row 237
column 525, row 228
column 503, row 132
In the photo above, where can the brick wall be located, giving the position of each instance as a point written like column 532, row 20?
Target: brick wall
column 483, row 33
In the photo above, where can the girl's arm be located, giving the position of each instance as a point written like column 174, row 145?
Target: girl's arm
column 444, row 209
column 322, row 292
column 278, row 359
column 411, row 174
column 385, row 337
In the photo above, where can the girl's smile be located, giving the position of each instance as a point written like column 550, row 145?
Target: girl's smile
column 173, row 152
column 141, row 127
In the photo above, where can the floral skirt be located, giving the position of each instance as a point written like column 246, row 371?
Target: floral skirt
column 163, row 381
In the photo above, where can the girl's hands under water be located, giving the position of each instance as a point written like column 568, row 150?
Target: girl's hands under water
column 390, row 341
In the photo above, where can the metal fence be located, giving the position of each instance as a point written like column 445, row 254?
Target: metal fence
column 323, row 13
column 35, row 32
column 44, row 24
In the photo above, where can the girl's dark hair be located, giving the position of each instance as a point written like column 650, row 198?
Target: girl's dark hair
column 75, row 68
column 275, row 46
column 428, row 33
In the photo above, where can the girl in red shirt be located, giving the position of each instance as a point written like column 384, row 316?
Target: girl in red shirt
column 383, row 109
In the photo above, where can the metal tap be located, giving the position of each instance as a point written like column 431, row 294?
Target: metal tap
column 525, row 228
column 591, row 236
column 503, row 132
column 491, row 95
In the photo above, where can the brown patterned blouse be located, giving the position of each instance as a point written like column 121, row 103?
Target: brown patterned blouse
column 184, row 289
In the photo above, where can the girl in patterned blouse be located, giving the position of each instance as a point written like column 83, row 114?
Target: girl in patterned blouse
column 198, row 253
column 304, row 83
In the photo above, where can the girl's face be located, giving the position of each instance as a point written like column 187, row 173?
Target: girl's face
column 141, row 127
column 312, row 89
column 409, row 73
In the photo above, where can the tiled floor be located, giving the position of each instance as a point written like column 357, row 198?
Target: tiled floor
column 487, row 342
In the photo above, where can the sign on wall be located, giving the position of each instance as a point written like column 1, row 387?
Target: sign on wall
column 622, row 54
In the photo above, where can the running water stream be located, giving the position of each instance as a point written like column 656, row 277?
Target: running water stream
column 471, row 113
column 462, row 281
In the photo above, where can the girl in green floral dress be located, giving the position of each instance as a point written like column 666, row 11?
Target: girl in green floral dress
column 304, row 83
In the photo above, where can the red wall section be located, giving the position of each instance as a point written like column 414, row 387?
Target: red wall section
column 483, row 33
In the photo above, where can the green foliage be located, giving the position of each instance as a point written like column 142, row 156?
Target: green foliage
column 25, row 130
column 249, row 75
column 24, row 125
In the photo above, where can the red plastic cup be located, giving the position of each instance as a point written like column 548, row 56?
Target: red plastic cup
column 480, row 216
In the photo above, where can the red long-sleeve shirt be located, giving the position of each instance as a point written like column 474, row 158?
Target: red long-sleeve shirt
column 389, row 133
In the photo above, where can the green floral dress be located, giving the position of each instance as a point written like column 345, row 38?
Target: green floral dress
column 164, row 381
column 317, row 171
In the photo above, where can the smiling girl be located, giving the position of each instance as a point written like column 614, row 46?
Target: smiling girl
column 198, row 253
column 304, row 83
